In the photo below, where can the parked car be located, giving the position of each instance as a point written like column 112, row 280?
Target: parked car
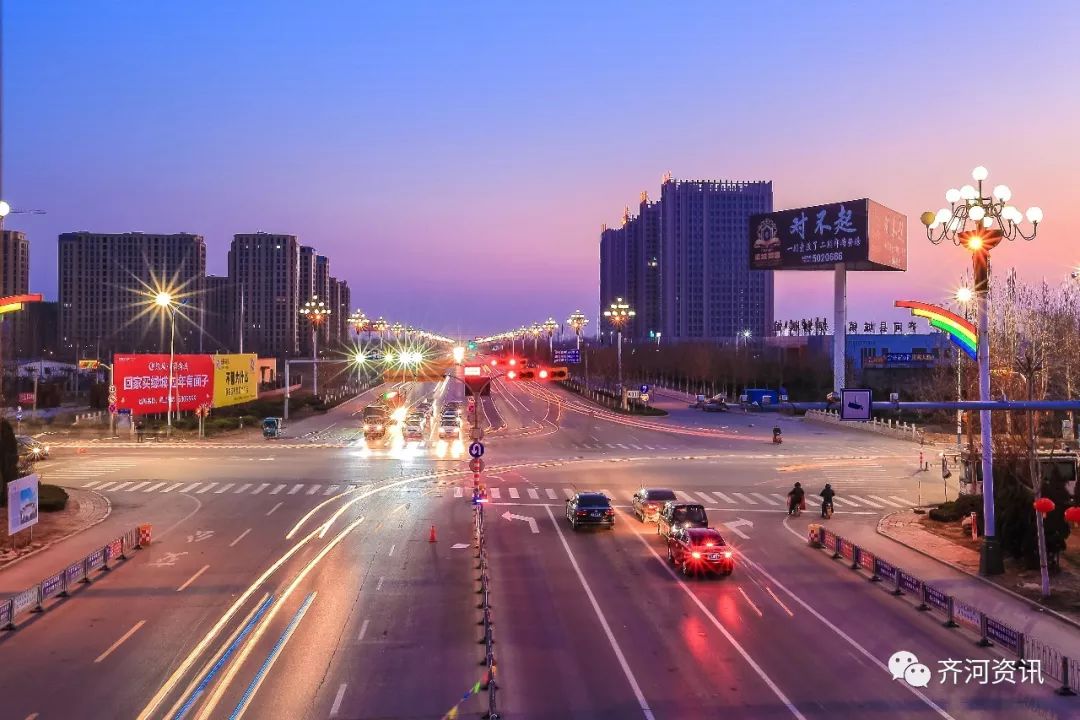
column 31, row 449
column 590, row 508
column 716, row 404
column 677, row 515
column 648, row 502
column 700, row 550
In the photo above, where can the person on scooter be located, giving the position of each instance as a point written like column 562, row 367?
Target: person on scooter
column 795, row 498
column 827, row 495
column 776, row 436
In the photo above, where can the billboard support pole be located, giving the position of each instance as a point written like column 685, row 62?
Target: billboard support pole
column 839, row 326
column 285, row 412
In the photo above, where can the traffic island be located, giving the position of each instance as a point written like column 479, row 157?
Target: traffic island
column 610, row 401
column 951, row 543
column 83, row 510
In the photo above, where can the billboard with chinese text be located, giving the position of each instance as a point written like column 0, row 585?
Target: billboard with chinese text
column 236, row 379
column 142, row 382
column 861, row 234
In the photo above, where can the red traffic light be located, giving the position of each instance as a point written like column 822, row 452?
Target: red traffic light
column 494, row 363
column 543, row 374
column 512, row 362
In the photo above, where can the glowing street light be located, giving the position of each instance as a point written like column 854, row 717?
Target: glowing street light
column 459, row 354
column 550, row 326
column 165, row 301
column 316, row 311
column 359, row 322
column 578, row 321
column 979, row 222
column 619, row 313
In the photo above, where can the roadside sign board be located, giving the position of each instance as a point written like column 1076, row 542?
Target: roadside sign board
column 123, row 411
column 567, row 357
column 644, row 397
column 22, row 503
column 476, row 465
column 856, row 403
column 644, row 389
column 112, row 408
column 633, row 394
column 26, row 398
column 476, row 449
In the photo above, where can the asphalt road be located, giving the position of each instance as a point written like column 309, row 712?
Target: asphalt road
column 297, row 579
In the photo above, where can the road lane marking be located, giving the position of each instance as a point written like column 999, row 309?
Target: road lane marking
column 751, row 602
column 533, row 494
column 191, row 487
column 551, row 494
column 242, row 488
column 458, row 492
column 154, row 487
column 494, row 492
column 121, row 641
column 863, row 500
column 707, row 498
column 841, row 502
column 568, row 493
column 363, row 630
column 259, row 489
column 378, row 586
column 239, row 537
column 907, row 503
column 201, row 490
column 745, row 498
column 271, row 510
column 765, row 499
column 278, row 489
column 32, row 716
column 646, row 711
column 90, row 485
column 783, row 500
column 887, row 502
column 275, row 652
column 336, row 707
column 391, row 553
column 778, row 601
column 223, row 488
column 724, row 498
column 136, row 486
column 122, row 485
column 296, row 488
column 314, row 489
column 513, row 493
column 723, row 630
column 105, row 485
column 333, row 489
column 193, row 578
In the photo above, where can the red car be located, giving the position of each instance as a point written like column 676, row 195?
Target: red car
column 700, row 550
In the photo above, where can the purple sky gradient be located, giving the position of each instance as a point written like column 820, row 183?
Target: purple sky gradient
column 456, row 161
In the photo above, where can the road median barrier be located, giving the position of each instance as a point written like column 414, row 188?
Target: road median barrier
column 1030, row 652
column 61, row 583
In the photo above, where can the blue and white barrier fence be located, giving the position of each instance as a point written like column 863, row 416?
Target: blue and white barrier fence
column 957, row 614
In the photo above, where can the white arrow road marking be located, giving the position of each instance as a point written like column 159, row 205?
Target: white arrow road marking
column 532, row 521
column 735, row 524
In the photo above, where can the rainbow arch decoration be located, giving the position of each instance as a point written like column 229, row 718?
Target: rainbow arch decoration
column 959, row 330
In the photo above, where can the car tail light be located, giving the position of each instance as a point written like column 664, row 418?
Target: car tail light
column 610, row 511
column 696, row 555
column 727, row 554
column 580, row 513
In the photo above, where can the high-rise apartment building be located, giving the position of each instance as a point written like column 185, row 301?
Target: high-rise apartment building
column 14, row 280
column 221, row 315
column 708, row 291
column 266, row 267
column 322, row 290
column 614, row 269
column 338, row 324
column 107, row 284
column 643, row 268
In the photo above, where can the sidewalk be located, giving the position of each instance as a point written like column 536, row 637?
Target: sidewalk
column 952, row 569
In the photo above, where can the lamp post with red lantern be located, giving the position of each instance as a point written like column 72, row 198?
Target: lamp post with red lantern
column 978, row 223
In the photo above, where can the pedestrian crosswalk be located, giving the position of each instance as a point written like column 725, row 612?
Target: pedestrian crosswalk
column 710, row 498
column 85, row 470
column 216, row 488
column 622, row 447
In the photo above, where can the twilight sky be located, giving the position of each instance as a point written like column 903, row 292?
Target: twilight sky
column 455, row 160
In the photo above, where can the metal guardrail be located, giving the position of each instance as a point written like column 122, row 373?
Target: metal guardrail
column 958, row 614
column 62, row 582
column 900, row 430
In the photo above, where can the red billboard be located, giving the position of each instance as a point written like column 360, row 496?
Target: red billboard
column 142, row 382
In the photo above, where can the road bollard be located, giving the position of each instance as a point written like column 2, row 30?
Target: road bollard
column 950, row 621
column 1065, row 689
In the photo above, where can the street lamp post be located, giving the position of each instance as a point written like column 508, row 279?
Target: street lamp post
column 316, row 311
column 535, row 331
column 991, row 221
column 550, row 326
column 963, row 296
column 578, row 321
column 619, row 314
column 166, row 302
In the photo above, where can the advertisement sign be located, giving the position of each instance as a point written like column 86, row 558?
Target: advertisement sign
column 236, row 379
column 22, row 503
column 861, row 234
column 142, row 382
column 26, row 398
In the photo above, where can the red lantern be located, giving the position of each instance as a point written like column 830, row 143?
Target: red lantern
column 1044, row 505
column 1072, row 514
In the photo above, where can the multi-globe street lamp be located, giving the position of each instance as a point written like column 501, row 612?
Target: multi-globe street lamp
column 619, row 314
column 535, row 329
column 963, row 296
column 167, row 303
column 979, row 222
column 315, row 310
column 550, row 326
column 578, row 321
column 359, row 322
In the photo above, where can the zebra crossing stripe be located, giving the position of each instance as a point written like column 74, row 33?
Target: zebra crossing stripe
column 242, row 488
column 191, row 487
column 551, row 494
column 259, row 489
column 514, row 493
column 838, row 501
column 224, row 487
column 906, row 503
column 91, row 484
column 568, row 492
column 295, row 488
column 105, row 485
column 724, row 498
column 314, row 489
column 154, row 487
column 745, row 499
column 172, row 487
column 331, row 489
column 871, row 503
column 201, row 490
column 458, row 492
column 706, row 496
column 494, row 492
column 635, row 447
column 684, row 496
column 121, row 486
column 765, row 499
column 887, row 502
column 533, row 494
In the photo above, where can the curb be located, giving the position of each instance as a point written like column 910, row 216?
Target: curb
column 73, row 533
column 1038, row 607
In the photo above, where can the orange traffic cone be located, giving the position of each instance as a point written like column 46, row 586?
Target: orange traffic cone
column 431, row 535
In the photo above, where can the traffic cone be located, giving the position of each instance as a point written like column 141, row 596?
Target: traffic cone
column 431, row 535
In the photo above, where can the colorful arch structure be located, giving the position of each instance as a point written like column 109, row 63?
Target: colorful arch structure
column 12, row 303
column 959, row 330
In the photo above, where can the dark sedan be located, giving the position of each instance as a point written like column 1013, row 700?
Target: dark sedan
column 590, row 508
column 648, row 502
column 676, row 516
column 700, row 551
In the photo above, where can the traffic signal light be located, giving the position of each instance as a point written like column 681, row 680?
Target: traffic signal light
column 495, row 362
column 558, row 373
column 527, row 374
column 511, row 375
